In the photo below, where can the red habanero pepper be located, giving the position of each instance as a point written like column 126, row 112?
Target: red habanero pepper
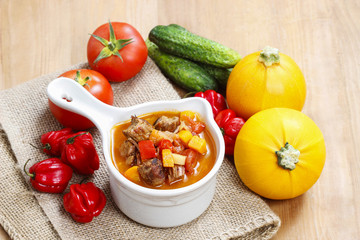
column 50, row 175
column 51, row 141
column 79, row 152
column 84, row 202
column 230, row 126
column 216, row 100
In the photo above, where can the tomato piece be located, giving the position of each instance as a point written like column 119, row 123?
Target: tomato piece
column 116, row 50
column 191, row 160
column 147, row 149
column 165, row 144
column 96, row 84
column 196, row 126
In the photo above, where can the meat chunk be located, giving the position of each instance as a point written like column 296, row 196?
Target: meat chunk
column 176, row 172
column 152, row 172
column 139, row 129
column 129, row 151
column 165, row 123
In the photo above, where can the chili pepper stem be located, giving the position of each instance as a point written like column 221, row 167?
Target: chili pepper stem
column 189, row 94
column 83, row 180
column 72, row 139
column 222, row 131
column 27, row 173
column 47, row 146
column 36, row 146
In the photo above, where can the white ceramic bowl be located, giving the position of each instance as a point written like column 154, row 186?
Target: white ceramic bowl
column 151, row 207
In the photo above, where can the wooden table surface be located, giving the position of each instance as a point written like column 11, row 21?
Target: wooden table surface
column 323, row 37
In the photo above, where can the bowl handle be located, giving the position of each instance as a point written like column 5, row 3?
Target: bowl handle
column 69, row 95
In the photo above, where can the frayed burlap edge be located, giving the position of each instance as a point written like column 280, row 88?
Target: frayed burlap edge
column 262, row 227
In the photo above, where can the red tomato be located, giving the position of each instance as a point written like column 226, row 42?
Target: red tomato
column 123, row 51
column 96, row 84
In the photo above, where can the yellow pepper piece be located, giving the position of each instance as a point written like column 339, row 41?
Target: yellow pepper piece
column 168, row 159
column 187, row 113
column 198, row 144
column 132, row 174
column 185, row 136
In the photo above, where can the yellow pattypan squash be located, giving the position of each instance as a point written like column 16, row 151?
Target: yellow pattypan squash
column 265, row 80
column 279, row 153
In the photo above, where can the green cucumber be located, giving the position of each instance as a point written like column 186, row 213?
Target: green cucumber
column 221, row 75
column 176, row 41
column 182, row 72
column 177, row 26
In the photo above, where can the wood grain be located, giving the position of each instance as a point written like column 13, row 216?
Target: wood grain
column 323, row 37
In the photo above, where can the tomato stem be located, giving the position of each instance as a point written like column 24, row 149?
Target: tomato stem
column 287, row 157
column 111, row 46
column 80, row 80
column 269, row 56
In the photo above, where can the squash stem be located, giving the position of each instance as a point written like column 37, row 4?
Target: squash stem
column 287, row 157
column 269, row 56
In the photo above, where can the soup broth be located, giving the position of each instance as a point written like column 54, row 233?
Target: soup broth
column 204, row 164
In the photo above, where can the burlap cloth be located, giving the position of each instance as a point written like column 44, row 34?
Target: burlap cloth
column 235, row 212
